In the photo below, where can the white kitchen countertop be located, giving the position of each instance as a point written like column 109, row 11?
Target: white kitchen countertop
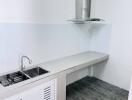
column 63, row 64
column 69, row 62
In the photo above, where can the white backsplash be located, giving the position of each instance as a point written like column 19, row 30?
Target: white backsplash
column 40, row 42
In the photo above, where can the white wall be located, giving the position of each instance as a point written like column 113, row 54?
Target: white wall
column 77, row 75
column 40, row 42
column 119, row 68
column 36, row 11
column 38, row 29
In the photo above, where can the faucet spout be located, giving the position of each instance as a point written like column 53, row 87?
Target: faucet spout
column 22, row 67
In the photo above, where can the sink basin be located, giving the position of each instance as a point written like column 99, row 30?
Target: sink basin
column 19, row 76
column 35, row 72
column 12, row 78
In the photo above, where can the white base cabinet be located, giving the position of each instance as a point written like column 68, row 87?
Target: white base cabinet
column 46, row 91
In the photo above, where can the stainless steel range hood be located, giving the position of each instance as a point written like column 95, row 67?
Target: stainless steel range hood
column 83, row 11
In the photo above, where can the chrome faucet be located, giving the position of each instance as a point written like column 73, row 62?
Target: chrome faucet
column 22, row 67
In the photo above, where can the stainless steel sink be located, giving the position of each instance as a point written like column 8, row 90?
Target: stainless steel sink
column 12, row 78
column 35, row 72
column 19, row 76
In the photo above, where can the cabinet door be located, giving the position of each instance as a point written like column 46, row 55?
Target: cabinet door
column 16, row 97
column 46, row 91
column 49, row 90
column 32, row 94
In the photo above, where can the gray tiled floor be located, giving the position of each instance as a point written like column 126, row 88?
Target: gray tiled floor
column 90, row 88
